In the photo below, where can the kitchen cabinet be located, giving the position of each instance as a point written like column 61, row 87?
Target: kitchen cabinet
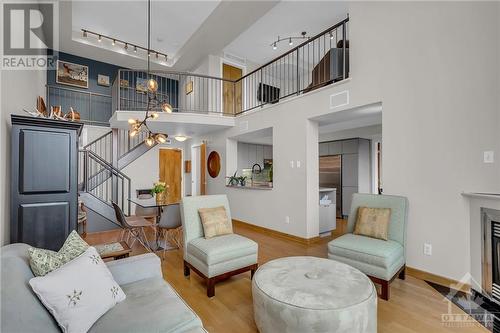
column 350, row 169
column 347, row 192
column 259, row 155
column 350, row 146
column 323, row 149
column 268, row 152
column 335, row 148
column 249, row 154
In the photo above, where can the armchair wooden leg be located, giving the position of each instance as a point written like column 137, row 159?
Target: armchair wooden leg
column 385, row 293
column 402, row 273
column 210, row 287
column 186, row 269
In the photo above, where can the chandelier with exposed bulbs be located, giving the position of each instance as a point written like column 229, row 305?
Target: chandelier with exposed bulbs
column 154, row 103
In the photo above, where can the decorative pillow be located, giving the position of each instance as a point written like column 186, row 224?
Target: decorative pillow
column 45, row 261
column 78, row 293
column 215, row 221
column 373, row 222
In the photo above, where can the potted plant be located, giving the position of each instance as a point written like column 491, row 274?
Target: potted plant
column 233, row 180
column 159, row 191
column 242, row 180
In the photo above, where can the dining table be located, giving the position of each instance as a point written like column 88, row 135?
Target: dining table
column 160, row 206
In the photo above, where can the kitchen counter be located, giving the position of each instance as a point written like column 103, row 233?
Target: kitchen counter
column 252, row 187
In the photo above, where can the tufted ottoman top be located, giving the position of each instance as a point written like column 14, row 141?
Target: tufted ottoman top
column 313, row 283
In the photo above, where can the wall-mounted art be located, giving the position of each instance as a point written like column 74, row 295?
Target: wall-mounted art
column 189, row 87
column 141, row 85
column 103, row 80
column 72, row 74
column 213, row 164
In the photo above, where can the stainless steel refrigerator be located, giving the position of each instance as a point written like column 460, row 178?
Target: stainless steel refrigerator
column 330, row 175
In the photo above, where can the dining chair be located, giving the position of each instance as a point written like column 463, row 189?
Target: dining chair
column 133, row 226
column 147, row 213
column 169, row 226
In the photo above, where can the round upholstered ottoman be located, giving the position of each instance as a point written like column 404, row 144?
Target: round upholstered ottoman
column 309, row 294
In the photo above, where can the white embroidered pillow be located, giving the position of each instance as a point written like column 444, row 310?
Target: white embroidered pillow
column 78, row 293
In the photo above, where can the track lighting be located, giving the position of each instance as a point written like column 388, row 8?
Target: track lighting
column 289, row 39
column 331, row 35
column 290, row 42
column 117, row 41
column 274, row 46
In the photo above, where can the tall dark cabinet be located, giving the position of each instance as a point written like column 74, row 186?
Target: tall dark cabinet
column 44, row 177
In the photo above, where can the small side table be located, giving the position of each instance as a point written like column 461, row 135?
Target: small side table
column 117, row 250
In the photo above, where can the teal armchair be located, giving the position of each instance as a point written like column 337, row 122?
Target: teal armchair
column 381, row 260
column 217, row 258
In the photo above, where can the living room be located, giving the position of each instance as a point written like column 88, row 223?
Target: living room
column 398, row 64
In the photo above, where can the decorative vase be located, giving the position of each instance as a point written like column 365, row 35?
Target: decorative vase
column 160, row 197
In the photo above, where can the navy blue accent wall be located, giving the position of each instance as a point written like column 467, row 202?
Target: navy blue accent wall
column 98, row 109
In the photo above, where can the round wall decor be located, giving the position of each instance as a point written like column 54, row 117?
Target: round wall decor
column 213, row 164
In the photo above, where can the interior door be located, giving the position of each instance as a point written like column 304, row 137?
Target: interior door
column 232, row 94
column 203, row 168
column 171, row 173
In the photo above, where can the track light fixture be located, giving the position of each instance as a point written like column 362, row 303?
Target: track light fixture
column 290, row 39
column 117, row 41
column 331, row 35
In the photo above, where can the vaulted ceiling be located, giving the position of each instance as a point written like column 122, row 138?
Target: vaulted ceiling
column 188, row 31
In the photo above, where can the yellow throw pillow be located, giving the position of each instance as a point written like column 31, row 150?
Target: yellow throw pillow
column 215, row 221
column 373, row 222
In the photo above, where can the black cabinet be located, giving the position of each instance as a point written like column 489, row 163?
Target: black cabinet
column 44, row 177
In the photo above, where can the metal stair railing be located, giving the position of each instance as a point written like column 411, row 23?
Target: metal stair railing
column 113, row 185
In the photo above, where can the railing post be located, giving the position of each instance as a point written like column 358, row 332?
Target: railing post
column 297, row 65
column 344, row 42
column 261, row 87
column 114, row 159
column 85, row 170
column 234, row 97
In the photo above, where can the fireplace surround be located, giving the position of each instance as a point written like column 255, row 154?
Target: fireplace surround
column 490, row 262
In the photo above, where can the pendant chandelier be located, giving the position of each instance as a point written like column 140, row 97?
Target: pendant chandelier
column 154, row 102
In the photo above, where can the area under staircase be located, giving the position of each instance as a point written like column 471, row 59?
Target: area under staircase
column 101, row 179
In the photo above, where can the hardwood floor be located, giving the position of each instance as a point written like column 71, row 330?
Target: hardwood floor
column 413, row 307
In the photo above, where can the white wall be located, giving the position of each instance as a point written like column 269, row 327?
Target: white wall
column 19, row 89
column 440, row 112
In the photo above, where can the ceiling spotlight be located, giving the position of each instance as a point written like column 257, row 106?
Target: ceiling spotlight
column 331, row 35
column 99, row 39
column 84, row 33
column 135, row 49
column 149, row 54
column 290, row 42
column 166, row 107
column 166, row 57
column 161, row 138
column 180, row 138
column 113, row 42
column 156, row 55
column 274, row 46
column 126, row 46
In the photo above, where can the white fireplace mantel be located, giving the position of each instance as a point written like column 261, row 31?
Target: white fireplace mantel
column 477, row 201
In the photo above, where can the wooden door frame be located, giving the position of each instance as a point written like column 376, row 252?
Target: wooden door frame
column 202, row 161
column 243, row 86
column 183, row 191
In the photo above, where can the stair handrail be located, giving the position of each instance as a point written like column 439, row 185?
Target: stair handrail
column 98, row 139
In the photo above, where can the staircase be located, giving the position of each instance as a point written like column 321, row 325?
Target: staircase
column 101, row 180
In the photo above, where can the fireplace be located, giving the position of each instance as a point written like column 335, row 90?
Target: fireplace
column 491, row 254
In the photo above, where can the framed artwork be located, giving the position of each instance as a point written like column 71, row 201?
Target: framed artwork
column 72, row 74
column 103, row 80
column 141, row 85
column 189, row 87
